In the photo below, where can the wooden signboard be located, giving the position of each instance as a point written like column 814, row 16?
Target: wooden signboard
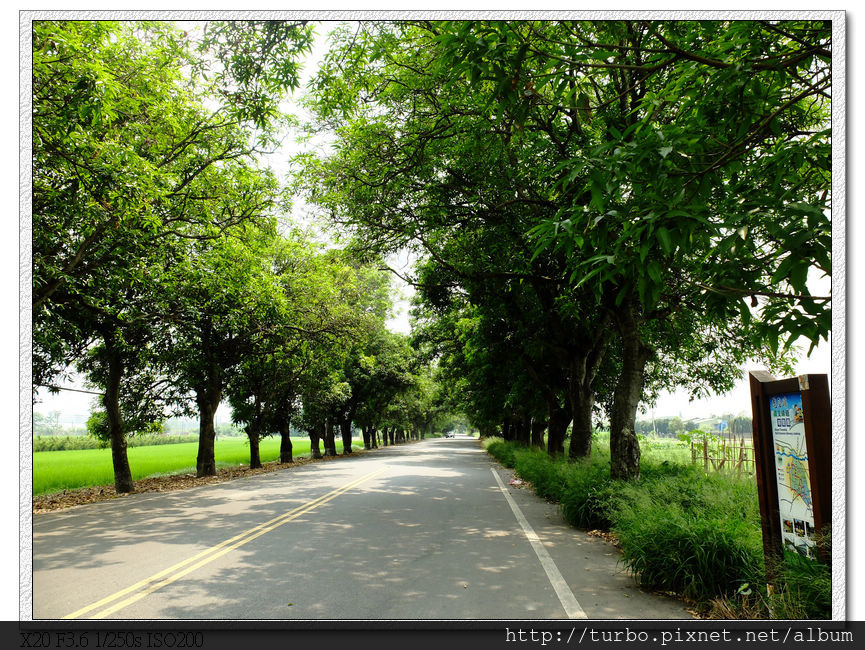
column 793, row 451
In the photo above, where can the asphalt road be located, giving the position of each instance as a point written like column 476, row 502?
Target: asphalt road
column 430, row 530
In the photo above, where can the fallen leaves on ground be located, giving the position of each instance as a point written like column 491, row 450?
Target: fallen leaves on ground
column 610, row 537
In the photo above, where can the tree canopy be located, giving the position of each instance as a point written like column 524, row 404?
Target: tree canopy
column 655, row 180
column 599, row 211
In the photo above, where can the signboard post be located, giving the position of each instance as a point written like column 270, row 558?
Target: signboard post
column 793, row 450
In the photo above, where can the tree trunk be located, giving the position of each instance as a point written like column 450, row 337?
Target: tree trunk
column 111, row 401
column 581, row 374
column 557, row 428
column 552, row 384
column 391, row 434
column 314, row 437
column 329, row 439
column 624, row 446
column 207, row 396
column 539, row 425
column 205, row 464
column 582, row 401
column 522, row 430
column 254, row 454
column 285, row 446
column 345, row 429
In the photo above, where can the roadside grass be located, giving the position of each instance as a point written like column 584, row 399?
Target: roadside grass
column 679, row 529
column 54, row 471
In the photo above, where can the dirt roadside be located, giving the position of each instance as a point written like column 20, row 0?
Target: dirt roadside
column 71, row 498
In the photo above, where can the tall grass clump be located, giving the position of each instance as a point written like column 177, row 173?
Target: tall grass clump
column 548, row 476
column 684, row 531
column 801, row 590
column 804, row 590
column 588, row 493
column 803, row 586
column 501, row 450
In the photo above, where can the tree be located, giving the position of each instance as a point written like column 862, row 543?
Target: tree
column 46, row 425
column 482, row 366
column 129, row 165
column 222, row 296
column 378, row 373
column 287, row 355
column 124, row 152
column 256, row 62
column 256, row 384
column 366, row 297
column 118, row 364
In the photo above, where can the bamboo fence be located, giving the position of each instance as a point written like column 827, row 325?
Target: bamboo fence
column 730, row 454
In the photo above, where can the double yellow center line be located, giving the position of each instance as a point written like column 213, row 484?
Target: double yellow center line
column 139, row 590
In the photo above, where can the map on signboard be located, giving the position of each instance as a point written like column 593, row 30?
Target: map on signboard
column 791, row 467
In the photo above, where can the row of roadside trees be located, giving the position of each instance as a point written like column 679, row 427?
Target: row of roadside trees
column 161, row 268
column 729, row 425
column 600, row 209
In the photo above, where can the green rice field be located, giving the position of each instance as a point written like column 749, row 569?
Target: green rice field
column 54, row 471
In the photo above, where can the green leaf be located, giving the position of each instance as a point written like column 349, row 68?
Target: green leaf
column 597, row 196
column 654, row 270
column 798, row 276
column 663, row 236
column 783, row 270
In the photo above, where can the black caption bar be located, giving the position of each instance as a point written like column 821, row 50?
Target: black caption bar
column 236, row 634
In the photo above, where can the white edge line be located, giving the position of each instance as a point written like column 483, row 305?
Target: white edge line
column 563, row 591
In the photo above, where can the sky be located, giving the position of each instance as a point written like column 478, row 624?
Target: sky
column 11, row 252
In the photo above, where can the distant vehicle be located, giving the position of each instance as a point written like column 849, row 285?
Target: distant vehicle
column 449, row 435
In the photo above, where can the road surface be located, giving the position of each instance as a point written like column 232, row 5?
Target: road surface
column 430, row 530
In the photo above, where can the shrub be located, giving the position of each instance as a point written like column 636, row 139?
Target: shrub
column 63, row 443
column 68, row 443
